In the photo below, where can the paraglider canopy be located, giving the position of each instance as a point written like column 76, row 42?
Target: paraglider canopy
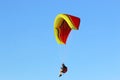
column 63, row 25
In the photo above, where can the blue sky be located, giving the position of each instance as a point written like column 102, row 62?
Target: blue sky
column 28, row 50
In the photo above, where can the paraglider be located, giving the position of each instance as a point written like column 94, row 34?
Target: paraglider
column 63, row 25
column 63, row 70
